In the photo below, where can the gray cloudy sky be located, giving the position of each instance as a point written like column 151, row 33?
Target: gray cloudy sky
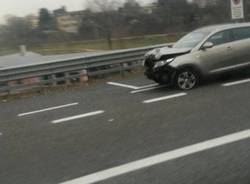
column 24, row 7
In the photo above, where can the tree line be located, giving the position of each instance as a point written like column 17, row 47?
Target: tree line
column 105, row 19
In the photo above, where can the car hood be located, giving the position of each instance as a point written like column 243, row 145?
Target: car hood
column 166, row 51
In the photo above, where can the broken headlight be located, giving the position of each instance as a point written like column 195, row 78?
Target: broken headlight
column 163, row 63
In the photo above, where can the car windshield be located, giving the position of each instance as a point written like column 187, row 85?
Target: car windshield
column 191, row 40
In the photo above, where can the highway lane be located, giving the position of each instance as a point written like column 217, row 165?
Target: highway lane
column 34, row 150
column 206, row 167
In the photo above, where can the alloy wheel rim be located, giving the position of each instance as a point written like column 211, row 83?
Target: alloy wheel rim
column 186, row 80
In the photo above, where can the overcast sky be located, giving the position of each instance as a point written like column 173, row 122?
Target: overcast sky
column 24, row 7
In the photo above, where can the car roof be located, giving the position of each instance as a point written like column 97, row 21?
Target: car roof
column 221, row 27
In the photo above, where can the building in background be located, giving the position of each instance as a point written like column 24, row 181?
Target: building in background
column 68, row 22
column 33, row 21
column 150, row 8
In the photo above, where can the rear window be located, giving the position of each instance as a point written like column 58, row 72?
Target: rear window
column 241, row 33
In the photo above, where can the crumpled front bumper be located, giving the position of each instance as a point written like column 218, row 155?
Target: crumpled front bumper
column 163, row 74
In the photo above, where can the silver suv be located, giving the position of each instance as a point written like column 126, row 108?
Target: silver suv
column 204, row 52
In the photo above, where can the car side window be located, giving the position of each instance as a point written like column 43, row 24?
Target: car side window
column 241, row 33
column 221, row 37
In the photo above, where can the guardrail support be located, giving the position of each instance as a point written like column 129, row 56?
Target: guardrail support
column 67, row 81
column 54, row 79
column 84, row 76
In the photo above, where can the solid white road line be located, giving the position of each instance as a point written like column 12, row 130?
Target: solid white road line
column 160, row 158
column 164, row 98
column 77, row 117
column 1, row 134
column 48, row 109
column 147, row 89
column 236, row 83
column 122, row 85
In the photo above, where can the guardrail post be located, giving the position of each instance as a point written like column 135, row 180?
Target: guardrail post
column 84, row 76
column 121, row 69
column 12, row 84
column 67, row 81
column 54, row 83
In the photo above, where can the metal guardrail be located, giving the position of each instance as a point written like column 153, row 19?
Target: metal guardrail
column 50, row 73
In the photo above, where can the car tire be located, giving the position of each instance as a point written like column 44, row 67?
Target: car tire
column 187, row 79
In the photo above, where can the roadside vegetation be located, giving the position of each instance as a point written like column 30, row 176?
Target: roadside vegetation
column 99, row 45
column 95, row 45
column 108, row 24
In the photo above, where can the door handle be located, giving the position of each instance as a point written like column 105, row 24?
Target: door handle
column 229, row 48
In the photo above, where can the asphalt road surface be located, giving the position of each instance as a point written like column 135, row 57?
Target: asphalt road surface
column 129, row 131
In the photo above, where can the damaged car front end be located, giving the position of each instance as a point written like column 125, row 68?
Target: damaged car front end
column 157, row 64
column 180, row 64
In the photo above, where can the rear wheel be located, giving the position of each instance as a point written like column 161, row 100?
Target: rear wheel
column 187, row 79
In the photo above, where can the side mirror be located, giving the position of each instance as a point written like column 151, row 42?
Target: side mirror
column 207, row 45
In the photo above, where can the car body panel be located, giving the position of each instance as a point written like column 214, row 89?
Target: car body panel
column 217, row 57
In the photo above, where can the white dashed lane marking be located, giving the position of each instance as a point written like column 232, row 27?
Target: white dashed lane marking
column 160, row 158
column 132, row 86
column 78, row 117
column 164, row 98
column 148, row 86
column 122, row 85
column 236, row 83
column 147, row 89
column 47, row 109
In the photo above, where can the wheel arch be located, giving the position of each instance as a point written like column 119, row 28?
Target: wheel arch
column 192, row 67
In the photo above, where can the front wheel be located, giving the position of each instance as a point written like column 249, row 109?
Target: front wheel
column 186, row 79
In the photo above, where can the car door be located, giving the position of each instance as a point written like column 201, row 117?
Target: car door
column 221, row 55
column 242, row 46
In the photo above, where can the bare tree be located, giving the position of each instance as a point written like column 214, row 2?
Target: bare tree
column 106, row 10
